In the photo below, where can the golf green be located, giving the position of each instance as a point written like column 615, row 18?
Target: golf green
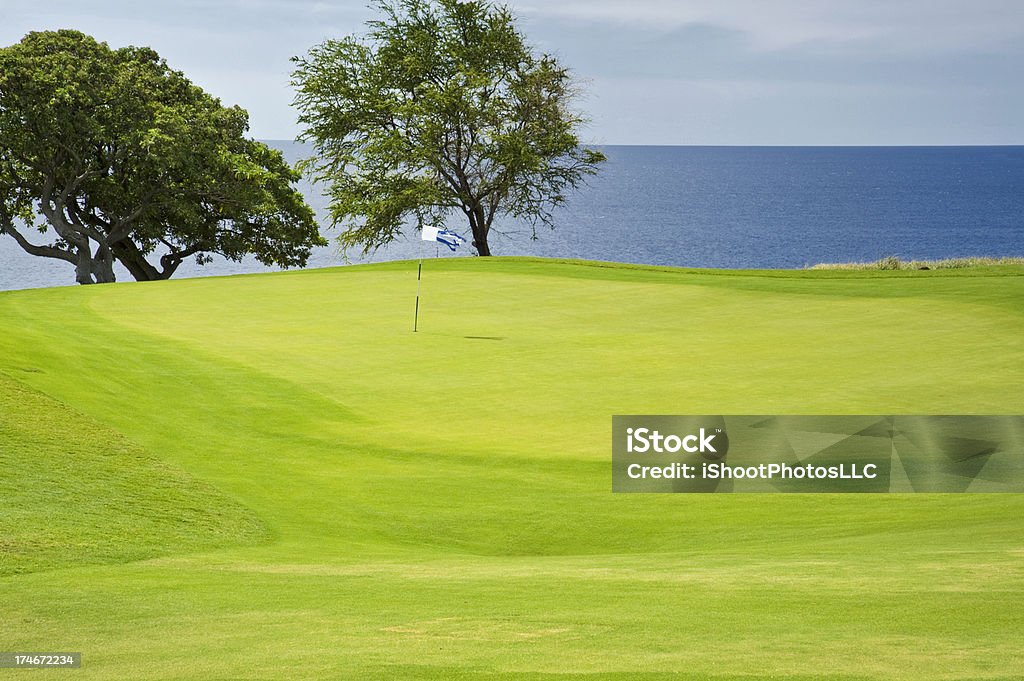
column 272, row 476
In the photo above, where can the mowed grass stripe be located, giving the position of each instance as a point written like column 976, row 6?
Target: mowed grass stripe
column 74, row 492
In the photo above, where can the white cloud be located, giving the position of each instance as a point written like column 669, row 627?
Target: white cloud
column 659, row 71
column 899, row 25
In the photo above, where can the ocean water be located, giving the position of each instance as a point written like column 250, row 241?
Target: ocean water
column 734, row 207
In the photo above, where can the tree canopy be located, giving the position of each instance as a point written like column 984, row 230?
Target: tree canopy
column 110, row 155
column 442, row 108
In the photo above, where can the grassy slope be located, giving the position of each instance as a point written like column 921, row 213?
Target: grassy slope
column 76, row 493
column 440, row 501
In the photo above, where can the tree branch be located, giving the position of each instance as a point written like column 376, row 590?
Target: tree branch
column 34, row 249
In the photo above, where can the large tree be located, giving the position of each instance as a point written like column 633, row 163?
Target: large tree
column 441, row 108
column 110, row 155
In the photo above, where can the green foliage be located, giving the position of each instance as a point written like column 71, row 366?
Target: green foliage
column 442, row 108
column 122, row 158
column 892, row 262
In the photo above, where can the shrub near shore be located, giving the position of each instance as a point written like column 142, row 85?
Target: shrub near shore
column 892, row 262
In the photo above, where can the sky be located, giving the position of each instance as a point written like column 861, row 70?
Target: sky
column 713, row 72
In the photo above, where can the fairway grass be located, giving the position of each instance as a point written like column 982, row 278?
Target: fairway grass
column 271, row 476
column 76, row 493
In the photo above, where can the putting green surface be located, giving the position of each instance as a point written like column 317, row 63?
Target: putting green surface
column 272, row 477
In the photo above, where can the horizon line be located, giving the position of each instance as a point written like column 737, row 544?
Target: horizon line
column 763, row 146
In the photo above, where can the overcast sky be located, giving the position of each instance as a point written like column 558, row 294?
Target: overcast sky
column 656, row 71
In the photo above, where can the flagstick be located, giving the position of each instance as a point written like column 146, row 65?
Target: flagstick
column 429, row 233
column 416, row 319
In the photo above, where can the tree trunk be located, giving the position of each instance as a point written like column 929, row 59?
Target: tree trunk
column 480, row 243
column 83, row 268
column 77, row 241
column 480, row 228
column 103, row 265
column 134, row 261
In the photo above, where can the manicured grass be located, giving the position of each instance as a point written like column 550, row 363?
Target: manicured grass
column 438, row 505
column 75, row 493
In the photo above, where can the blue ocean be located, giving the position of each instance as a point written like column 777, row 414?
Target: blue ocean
column 732, row 207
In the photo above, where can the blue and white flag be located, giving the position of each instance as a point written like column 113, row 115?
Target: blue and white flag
column 444, row 236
